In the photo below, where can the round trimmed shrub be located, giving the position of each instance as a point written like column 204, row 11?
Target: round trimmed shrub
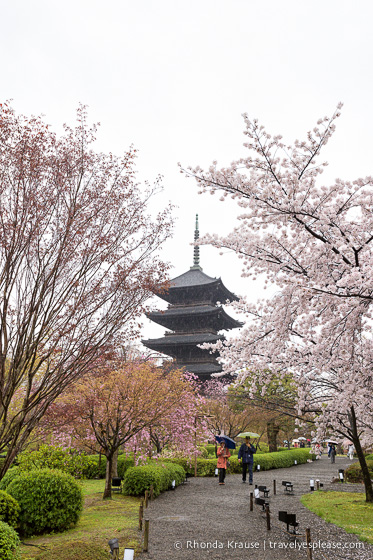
column 50, row 500
column 9, row 542
column 9, row 509
column 139, row 479
column 353, row 473
column 9, row 476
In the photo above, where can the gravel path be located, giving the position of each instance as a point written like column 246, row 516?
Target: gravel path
column 202, row 520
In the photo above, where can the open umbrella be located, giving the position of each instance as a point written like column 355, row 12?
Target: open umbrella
column 331, row 441
column 248, row 434
column 301, row 438
column 229, row 442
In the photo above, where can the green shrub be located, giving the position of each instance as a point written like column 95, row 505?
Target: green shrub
column 353, row 473
column 56, row 457
column 9, row 509
column 124, row 463
column 10, row 475
column 206, row 467
column 369, row 457
column 96, row 468
column 50, row 500
column 203, row 453
column 139, row 479
column 9, row 543
column 210, row 449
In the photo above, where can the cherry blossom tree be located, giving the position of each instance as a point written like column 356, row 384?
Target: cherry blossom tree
column 118, row 406
column 222, row 416
column 78, row 260
column 314, row 243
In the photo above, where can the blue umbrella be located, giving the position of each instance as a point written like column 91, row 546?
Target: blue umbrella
column 229, row 442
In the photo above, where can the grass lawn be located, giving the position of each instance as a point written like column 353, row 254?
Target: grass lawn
column 101, row 521
column 348, row 510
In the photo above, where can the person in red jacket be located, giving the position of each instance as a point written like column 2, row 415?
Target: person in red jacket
column 223, row 455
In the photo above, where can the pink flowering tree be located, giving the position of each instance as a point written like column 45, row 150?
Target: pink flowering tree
column 314, row 242
column 78, row 260
column 118, row 406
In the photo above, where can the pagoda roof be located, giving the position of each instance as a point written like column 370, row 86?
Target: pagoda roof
column 196, row 278
column 167, row 316
column 203, row 368
column 182, row 339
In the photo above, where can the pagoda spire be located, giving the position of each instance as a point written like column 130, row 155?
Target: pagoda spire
column 196, row 265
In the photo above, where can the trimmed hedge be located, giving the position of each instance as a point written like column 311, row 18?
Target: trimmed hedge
column 267, row 461
column 50, row 500
column 9, row 509
column 56, row 457
column 78, row 465
column 139, row 479
column 9, row 543
column 353, row 473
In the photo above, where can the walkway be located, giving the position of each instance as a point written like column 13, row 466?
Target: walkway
column 204, row 521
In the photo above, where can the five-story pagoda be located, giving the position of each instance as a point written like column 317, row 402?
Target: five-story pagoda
column 193, row 317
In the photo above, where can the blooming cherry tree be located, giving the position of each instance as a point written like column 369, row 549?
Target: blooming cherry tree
column 78, row 260
column 315, row 244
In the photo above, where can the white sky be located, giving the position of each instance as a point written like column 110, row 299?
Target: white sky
column 173, row 78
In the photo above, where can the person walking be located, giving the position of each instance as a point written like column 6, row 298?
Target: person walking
column 245, row 454
column 223, row 456
column 332, row 453
column 351, row 451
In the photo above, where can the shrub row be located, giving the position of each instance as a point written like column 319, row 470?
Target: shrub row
column 139, row 479
column 353, row 473
column 267, row 461
column 78, row 465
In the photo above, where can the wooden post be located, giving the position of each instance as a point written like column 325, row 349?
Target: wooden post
column 141, row 514
column 151, row 493
column 268, row 519
column 274, row 488
column 251, row 502
column 146, row 536
column 146, row 498
column 317, row 485
column 308, row 544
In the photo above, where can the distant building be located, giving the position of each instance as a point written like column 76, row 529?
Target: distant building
column 193, row 317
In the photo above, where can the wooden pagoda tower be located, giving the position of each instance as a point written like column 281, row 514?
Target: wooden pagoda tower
column 193, row 317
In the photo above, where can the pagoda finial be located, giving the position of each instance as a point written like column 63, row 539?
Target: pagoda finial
column 196, row 248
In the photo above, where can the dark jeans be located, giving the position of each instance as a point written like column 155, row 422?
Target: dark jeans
column 247, row 467
column 221, row 475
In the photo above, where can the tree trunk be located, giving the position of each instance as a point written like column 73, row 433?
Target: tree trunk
column 114, row 471
column 272, row 431
column 109, row 474
column 361, row 457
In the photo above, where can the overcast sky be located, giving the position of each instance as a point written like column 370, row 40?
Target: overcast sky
column 173, row 78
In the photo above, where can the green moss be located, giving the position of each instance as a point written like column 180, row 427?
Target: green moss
column 348, row 510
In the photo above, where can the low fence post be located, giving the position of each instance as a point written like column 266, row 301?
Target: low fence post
column 141, row 514
column 146, row 536
column 308, row 544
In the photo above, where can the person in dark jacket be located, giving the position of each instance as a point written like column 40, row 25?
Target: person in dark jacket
column 245, row 454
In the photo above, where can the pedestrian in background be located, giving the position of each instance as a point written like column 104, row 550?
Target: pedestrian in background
column 223, row 456
column 333, row 453
column 245, row 454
